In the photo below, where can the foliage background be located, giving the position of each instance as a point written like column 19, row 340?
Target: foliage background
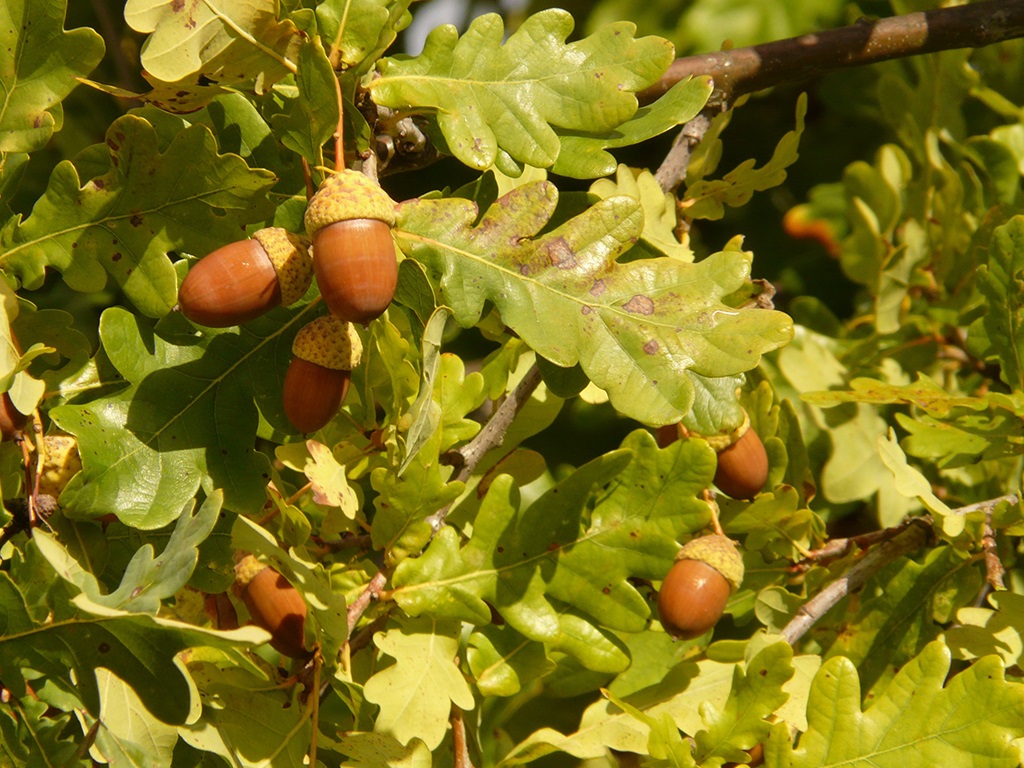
column 887, row 237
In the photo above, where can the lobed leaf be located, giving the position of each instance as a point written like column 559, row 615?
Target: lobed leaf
column 186, row 417
column 124, row 222
column 918, row 721
column 138, row 648
column 215, row 40
column 634, row 327
column 510, row 97
column 416, row 693
column 41, row 65
column 643, row 498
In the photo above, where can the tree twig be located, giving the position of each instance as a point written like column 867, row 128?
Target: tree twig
column 361, row 603
column 492, row 435
column 461, row 745
column 672, row 171
column 745, row 70
column 888, row 544
column 911, row 536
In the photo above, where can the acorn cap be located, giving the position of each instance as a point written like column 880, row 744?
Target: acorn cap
column 329, row 341
column 246, row 569
column 348, row 195
column 292, row 261
column 720, row 553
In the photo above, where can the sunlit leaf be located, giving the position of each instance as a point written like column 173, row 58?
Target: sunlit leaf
column 511, row 96
column 634, row 327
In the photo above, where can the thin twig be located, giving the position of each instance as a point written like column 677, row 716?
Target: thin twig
column 913, row 534
column 672, row 171
column 361, row 603
column 888, row 544
column 745, row 70
column 462, row 759
column 993, row 565
column 492, row 435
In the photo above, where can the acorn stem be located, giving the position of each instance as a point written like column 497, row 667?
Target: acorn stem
column 339, row 130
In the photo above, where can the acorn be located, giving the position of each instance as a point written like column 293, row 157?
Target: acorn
column 12, row 421
column 742, row 465
column 273, row 604
column 324, row 353
column 246, row 279
column 349, row 220
column 220, row 611
column 693, row 596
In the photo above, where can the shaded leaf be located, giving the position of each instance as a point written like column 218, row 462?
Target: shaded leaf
column 706, row 199
column 41, row 65
column 643, row 499
column 634, row 327
column 187, row 417
column 310, row 119
column 147, row 580
column 123, row 223
column 984, row 631
column 511, row 96
column 138, row 648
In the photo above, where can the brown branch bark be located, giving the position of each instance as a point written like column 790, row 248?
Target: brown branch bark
column 745, row 70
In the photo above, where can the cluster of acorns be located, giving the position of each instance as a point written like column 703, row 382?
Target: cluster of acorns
column 708, row 569
column 352, row 254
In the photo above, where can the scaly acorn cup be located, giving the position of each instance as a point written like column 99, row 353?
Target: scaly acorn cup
column 62, row 462
column 243, row 280
column 742, row 468
column 349, row 220
column 323, row 354
column 692, row 598
column 274, row 604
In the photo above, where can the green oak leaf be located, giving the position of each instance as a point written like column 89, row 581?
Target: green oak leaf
column 362, row 29
column 147, row 580
column 896, row 616
column 1001, row 282
column 216, row 40
column 643, row 500
column 659, row 209
column 123, row 223
column 634, row 327
column 922, row 719
column 416, row 693
column 186, row 416
column 510, row 97
column 706, row 199
column 138, row 648
column 584, row 155
column 246, row 721
column 503, row 661
column 311, row 118
column 983, row 631
column 41, row 65
column 756, row 694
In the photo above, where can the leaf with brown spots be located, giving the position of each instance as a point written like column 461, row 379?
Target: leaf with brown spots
column 123, row 223
column 637, row 328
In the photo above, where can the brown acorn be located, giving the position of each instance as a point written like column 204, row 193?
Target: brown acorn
column 693, row 596
column 246, row 279
column 12, row 421
column 349, row 220
column 742, row 466
column 274, row 604
column 324, row 353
